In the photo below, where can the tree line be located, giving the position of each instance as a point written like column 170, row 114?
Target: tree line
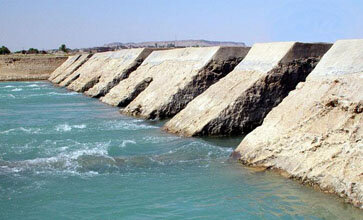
column 4, row 50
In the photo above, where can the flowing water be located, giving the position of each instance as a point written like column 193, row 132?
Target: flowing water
column 67, row 156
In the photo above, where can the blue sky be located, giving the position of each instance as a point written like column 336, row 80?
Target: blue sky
column 84, row 23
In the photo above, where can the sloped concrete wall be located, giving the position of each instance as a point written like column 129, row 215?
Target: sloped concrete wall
column 70, row 60
column 71, row 69
column 239, row 102
column 104, row 66
column 174, row 87
column 120, row 66
column 158, row 61
column 168, row 80
column 88, row 74
column 315, row 135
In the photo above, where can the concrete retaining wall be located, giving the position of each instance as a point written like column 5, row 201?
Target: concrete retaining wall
column 168, row 80
column 70, row 60
column 119, row 67
column 315, row 135
column 239, row 102
column 66, row 74
column 78, row 80
column 106, row 67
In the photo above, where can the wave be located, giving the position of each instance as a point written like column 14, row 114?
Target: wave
column 16, row 90
column 45, row 94
column 127, row 125
column 59, row 128
column 66, row 127
column 26, row 130
column 63, row 127
column 94, row 159
column 76, row 162
column 80, row 126
column 158, row 140
column 127, row 142
column 32, row 85
column 62, row 94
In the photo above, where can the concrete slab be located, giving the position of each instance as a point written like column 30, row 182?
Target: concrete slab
column 239, row 102
column 94, row 64
column 106, row 64
column 168, row 80
column 315, row 134
column 119, row 67
column 71, row 69
column 70, row 60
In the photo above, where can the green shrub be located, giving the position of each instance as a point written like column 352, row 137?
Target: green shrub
column 63, row 48
column 33, row 51
column 4, row 50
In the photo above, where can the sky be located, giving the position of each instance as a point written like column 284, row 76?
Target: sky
column 46, row 24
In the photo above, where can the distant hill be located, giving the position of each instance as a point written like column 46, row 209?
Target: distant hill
column 179, row 43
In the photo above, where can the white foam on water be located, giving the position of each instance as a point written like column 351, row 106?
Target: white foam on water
column 33, row 85
column 16, row 90
column 64, row 162
column 63, row 127
column 158, row 140
column 8, row 86
column 62, row 94
column 6, row 169
column 66, row 127
column 26, row 130
column 63, row 148
column 127, row 125
column 82, row 126
column 127, row 142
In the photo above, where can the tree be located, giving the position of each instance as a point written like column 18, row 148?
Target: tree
column 63, row 48
column 4, row 50
column 33, row 51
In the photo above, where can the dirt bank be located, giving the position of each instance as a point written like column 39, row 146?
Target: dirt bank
column 18, row 67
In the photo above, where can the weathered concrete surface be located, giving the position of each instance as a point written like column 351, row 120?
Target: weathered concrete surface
column 67, row 75
column 173, row 88
column 102, row 64
column 239, row 102
column 64, row 66
column 168, row 80
column 315, row 134
column 17, row 67
column 118, row 67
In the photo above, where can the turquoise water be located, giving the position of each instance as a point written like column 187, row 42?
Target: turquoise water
column 67, row 156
